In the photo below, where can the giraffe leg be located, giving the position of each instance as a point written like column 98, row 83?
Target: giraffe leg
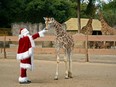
column 57, row 68
column 66, row 67
column 70, row 66
column 70, row 69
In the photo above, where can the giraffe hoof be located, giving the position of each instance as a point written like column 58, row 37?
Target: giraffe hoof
column 66, row 77
column 55, row 78
column 70, row 75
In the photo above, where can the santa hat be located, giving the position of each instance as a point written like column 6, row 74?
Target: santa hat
column 23, row 32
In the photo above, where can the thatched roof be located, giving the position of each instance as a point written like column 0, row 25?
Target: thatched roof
column 72, row 24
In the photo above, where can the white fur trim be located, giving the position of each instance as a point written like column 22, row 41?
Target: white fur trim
column 32, row 41
column 25, row 66
column 20, row 36
column 24, row 31
column 23, row 79
column 25, row 55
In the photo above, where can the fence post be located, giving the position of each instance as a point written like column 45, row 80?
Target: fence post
column 4, row 44
column 86, row 47
column 1, row 50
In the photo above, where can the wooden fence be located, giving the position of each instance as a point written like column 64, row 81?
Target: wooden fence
column 77, row 37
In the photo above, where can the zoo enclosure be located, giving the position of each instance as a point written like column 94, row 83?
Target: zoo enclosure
column 77, row 49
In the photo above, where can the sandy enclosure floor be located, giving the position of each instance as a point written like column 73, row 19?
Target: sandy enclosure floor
column 99, row 73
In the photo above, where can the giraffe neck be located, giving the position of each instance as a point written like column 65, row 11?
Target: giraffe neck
column 103, row 22
column 58, row 28
column 89, row 22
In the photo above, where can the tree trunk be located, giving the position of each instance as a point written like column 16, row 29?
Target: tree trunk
column 78, row 13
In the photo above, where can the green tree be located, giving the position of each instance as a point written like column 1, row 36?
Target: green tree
column 12, row 11
column 110, row 13
column 34, row 10
column 4, row 16
column 59, row 9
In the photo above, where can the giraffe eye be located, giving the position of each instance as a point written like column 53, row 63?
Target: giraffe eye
column 52, row 19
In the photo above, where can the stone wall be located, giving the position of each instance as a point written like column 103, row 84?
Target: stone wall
column 33, row 28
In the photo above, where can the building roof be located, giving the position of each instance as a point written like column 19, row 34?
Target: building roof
column 72, row 24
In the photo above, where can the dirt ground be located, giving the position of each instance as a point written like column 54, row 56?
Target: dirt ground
column 99, row 72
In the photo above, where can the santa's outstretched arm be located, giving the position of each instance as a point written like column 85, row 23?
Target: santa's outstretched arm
column 39, row 34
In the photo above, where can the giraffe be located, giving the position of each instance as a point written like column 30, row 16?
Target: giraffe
column 87, row 29
column 106, row 29
column 65, row 41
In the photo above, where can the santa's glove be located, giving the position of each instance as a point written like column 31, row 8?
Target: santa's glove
column 42, row 32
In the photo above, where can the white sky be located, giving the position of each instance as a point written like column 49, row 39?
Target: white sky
column 106, row 1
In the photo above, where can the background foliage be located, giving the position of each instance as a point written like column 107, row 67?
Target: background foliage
column 34, row 10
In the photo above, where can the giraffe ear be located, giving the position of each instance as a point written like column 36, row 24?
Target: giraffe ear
column 44, row 18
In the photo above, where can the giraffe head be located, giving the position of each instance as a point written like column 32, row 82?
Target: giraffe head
column 48, row 22
column 100, row 14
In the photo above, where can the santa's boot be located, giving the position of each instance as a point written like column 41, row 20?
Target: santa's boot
column 23, row 77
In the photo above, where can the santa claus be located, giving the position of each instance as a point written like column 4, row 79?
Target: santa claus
column 25, row 52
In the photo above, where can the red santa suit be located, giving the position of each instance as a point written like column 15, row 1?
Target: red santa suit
column 25, row 51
